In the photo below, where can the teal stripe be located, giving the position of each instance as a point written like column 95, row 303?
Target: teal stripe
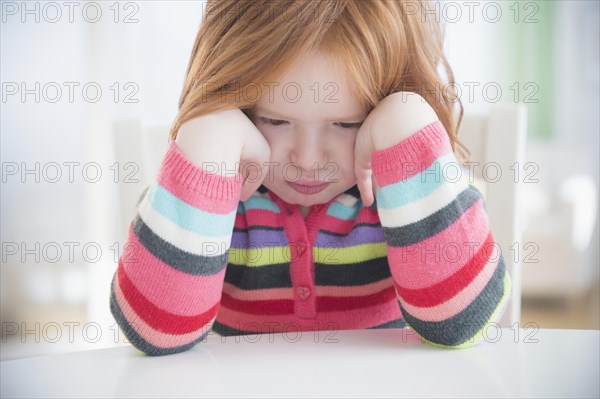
column 419, row 186
column 343, row 212
column 240, row 208
column 188, row 217
column 261, row 203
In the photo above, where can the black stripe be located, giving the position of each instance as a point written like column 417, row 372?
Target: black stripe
column 432, row 224
column 353, row 191
column 398, row 323
column 254, row 278
column 352, row 274
column 226, row 331
column 256, row 227
column 183, row 261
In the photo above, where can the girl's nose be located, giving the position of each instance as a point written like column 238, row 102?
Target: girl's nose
column 309, row 154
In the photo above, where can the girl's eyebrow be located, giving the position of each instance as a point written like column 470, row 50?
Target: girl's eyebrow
column 278, row 115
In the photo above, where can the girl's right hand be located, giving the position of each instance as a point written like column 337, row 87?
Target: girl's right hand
column 224, row 143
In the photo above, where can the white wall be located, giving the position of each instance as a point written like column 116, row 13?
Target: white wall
column 150, row 54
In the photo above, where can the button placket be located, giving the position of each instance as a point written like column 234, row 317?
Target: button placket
column 300, row 260
column 301, row 248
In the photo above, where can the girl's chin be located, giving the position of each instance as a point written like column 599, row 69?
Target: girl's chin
column 294, row 197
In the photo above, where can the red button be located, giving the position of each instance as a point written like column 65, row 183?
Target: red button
column 303, row 292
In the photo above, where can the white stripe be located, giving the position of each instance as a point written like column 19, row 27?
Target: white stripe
column 183, row 239
column 419, row 210
column 347, row 200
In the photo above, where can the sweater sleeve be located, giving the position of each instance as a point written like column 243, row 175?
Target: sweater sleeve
column 449, row 280
column 167, row 287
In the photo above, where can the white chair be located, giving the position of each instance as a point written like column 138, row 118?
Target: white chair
column 139, row 150
column 496, row 141
column 497, row 144
column 561, row 222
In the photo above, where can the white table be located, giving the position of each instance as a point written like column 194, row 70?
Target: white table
column 359, row 363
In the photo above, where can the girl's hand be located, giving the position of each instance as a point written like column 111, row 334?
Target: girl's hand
column 226, row 142
column 395, row 118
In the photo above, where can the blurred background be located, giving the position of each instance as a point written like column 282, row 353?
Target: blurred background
column 69, row 72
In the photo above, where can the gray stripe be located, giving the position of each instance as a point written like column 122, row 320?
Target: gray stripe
column 398, row 323
column 183, row 261
column 352, row 274
column 140, row 343
column 278, row 275
column 432, row 224
column 461, row 327
column 254, row 278
column 142, row 195
column 226, row 331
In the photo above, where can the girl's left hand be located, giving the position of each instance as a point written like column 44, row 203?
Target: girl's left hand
column 395, row 118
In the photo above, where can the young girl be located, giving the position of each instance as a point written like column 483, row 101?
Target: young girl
column 304, row 187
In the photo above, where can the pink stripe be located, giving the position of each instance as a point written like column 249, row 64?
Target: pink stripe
column 459, row 302
column 361, row 290
column 168, row 288
column 169, row 178
column 345, row 320
column 412, row 155
column 436, row 258
column 288, row 293
column 197, row 200
column 257, row 295
column 151, row 335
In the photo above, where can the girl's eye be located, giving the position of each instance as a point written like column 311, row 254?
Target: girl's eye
column 274, row 122
column 350, row 125
column 279, row 122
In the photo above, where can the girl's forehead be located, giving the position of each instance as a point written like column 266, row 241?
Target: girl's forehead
column 311, row 89
column 312, row 66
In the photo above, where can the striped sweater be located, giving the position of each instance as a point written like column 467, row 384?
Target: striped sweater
column 198, row 259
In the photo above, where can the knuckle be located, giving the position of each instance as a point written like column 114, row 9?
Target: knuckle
column 405, row 101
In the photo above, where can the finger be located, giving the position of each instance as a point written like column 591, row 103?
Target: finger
column 255, row 170
column 249, row 186
column 246, row 190
column 362, row 166
column 366, row 190
column 364, row 182
column 374, row 187
column 253, row 173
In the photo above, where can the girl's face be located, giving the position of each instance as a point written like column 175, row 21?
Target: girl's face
column 310, row 120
